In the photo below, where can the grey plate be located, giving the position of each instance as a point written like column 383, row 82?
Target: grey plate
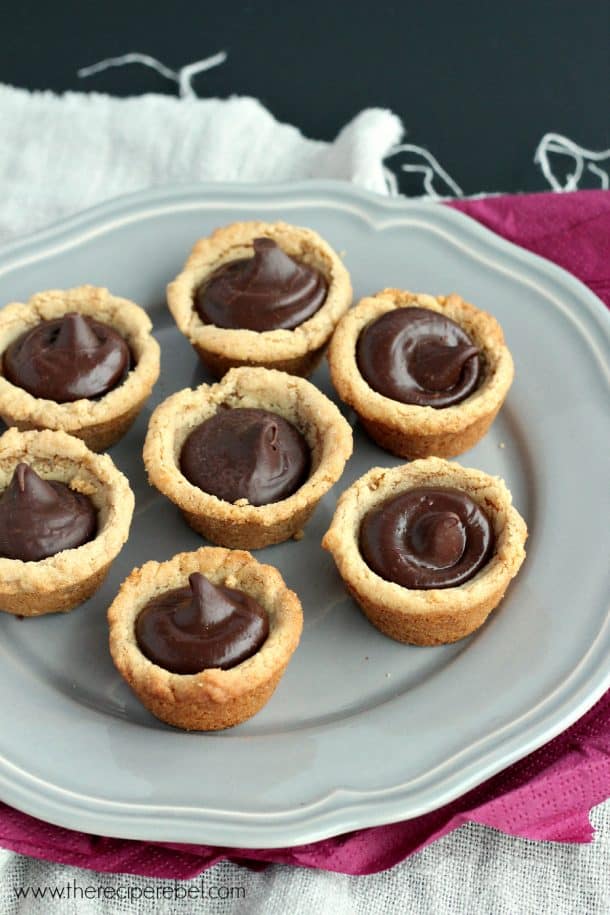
column 361, row 730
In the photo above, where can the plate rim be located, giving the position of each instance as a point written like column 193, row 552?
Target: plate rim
column 316, row 820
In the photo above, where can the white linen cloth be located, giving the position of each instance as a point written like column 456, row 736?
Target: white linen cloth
column 59, row 155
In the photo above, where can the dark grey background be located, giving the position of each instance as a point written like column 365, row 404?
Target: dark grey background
column 476, row 83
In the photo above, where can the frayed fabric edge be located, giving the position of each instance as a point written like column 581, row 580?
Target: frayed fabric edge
column 422, row 161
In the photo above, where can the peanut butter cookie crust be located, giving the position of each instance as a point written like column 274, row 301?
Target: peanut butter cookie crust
column 409, row 430
column 63, row 581
column 241, row 525
column 297, row 351
column 437, row 616
column 102, row 422
column 214, row 698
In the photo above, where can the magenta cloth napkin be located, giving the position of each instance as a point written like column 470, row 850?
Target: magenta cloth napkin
column 547, row 795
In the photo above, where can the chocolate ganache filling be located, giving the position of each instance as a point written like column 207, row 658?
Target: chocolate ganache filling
column 418, row 356
column 39, row 518
column 427, row 538
column 266, row 292
column 68, row 358
column 188, row 630
column 246, row 453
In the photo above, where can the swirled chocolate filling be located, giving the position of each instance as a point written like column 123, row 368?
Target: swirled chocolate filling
column 39, row 518
column 418, row 356
column 246, row 453
column 68, row 358
column 269, row 291
column 427, row 538
column 187, row 630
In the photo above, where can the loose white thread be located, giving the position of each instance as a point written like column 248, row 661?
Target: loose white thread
column 553, row 143
column 583, row 158
column 431, row 169
column 391, row 181
column 183, row 76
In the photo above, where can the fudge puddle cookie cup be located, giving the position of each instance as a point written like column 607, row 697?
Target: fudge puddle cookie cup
column 65, row 514
column 204, row 638
column 427, row 549
column 260, row 294
column 426, row 376
column 78, row 360
column 248, row 459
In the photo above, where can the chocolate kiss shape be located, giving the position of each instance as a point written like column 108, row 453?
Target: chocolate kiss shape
column 438, row 539
column 437, row 367
column 75, row 334
column 427, row 537
column 209, row 607
column 190, row 629
column 269, row 262
column 39, row 518
column 68, row 358
column 246, row 453
column 269, row 291
column 419, row 356
column 26, row 483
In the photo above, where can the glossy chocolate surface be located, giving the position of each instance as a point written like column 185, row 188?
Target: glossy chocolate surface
column 39, row 518
column 187, row 630
column 67, row 359
column 246, row 453
column 427, row 538
column 418, row 356
column 268, row 291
